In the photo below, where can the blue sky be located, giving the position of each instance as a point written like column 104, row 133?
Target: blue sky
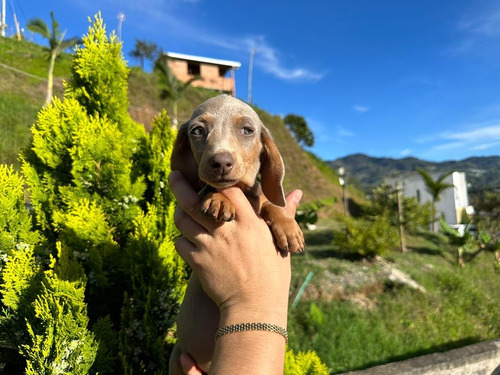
column 386, row 78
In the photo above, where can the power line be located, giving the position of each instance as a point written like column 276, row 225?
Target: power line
column 22, row 72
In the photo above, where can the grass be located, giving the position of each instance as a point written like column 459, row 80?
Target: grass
column 392, row 323
column 364, row 323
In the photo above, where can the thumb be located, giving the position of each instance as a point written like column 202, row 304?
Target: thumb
column 293, row 200
column 188, row 365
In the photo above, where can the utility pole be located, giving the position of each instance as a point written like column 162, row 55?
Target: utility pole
column 121, row 17
column 250, row 70
column 343, row 183
column 401, row 216
column 18, row 30
column 3, row 25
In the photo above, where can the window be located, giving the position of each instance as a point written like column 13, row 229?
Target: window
column 223, row 70
column 194, row 68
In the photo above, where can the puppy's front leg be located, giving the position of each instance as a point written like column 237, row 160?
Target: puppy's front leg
column 286, row 231
column 216, row 204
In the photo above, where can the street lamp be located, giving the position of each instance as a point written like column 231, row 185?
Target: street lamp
column 342, row 181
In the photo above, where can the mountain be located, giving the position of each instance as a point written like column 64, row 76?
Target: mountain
column 481, row 172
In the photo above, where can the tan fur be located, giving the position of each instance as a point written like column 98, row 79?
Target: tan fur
column 219, row 129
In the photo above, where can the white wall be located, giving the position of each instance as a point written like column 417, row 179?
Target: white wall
column 452, row 200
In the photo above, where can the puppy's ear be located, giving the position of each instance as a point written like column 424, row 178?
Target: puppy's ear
column 272, row 170
column 182, row 158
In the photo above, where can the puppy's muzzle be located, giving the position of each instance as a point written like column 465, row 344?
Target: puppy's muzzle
column 222, row 164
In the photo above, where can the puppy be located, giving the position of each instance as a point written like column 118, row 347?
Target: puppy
column 225, row 144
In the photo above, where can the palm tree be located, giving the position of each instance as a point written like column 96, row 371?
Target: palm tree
column 57, row 44
column 144, row 50
column 435, row 188
column 171, row 87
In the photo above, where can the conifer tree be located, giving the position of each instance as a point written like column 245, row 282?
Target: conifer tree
column 97, row 185
column 43, row 321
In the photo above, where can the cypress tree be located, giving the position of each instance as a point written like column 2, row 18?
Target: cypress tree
column 98, row 282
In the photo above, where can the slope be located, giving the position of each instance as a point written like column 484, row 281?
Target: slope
column 23, row 67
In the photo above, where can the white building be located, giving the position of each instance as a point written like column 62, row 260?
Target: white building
column 452, row 201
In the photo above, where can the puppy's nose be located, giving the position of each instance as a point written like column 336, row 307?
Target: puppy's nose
column 222, row 163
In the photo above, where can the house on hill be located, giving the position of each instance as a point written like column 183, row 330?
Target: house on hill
column 453, row 201
column 215, row 74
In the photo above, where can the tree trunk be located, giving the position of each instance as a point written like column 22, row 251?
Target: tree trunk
column 50, row 78
column 174, row 113
column 434, row 227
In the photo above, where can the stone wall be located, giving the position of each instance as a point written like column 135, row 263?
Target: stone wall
column 476, row 359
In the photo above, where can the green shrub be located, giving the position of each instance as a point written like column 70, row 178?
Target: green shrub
column 102, row 292
column 304, row 363
column 385, row 202
column 365, row 237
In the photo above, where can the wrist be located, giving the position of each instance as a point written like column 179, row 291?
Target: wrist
column 256, row 313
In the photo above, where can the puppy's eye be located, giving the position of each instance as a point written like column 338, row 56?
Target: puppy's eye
column 198, row 131
column 247, row 130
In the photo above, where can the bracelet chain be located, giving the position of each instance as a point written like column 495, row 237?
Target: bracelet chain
column 252, row 327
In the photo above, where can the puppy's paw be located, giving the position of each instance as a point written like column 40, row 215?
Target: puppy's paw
column 218, row 206
column 288, row 235
column 286, row 231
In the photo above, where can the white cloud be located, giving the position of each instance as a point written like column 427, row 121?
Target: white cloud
column 266, row 56
column 360, row 108
column 172, row 20
column 342, row 132
column 480, row 29
column 477, row 137
column 406, row 152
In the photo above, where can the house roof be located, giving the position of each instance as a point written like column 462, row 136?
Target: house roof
column 208, row 60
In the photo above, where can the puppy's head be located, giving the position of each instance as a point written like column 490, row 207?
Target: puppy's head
column 225, row 144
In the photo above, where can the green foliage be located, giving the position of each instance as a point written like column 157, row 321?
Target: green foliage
column 307, row 214
column 170, row 86
column 304, row 363
column 99, row 80
column 366, row 238
column 385, row 202
column 57, row 44
column 60, row 341
column 435, row 188
column 298, row 127
column 316, row 316
column 15, row 222
column 144, row 50
column 97, row 185
column 487, row 206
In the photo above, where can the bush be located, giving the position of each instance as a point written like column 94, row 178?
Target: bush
column 304, row 363
column 95, row 285
column 365, row 237
column 385, row 202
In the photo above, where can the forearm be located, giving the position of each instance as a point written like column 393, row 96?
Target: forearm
column 249, row 352
column 255, row 351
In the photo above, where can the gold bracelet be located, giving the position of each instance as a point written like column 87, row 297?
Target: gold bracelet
column 252, row 327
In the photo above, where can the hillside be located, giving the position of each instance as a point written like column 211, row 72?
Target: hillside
column 23, row 66
column 482, row 172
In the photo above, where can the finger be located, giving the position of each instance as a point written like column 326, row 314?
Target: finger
column 188, row 226
column 186, row 249
column 188, row 365
column 293, row 200
column 241, row 203
column 189, row 200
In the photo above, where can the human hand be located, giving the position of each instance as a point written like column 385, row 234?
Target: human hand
column 236, row 262
column 189, row 365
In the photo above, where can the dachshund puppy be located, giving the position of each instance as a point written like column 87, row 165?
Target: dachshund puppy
column 225, row 144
